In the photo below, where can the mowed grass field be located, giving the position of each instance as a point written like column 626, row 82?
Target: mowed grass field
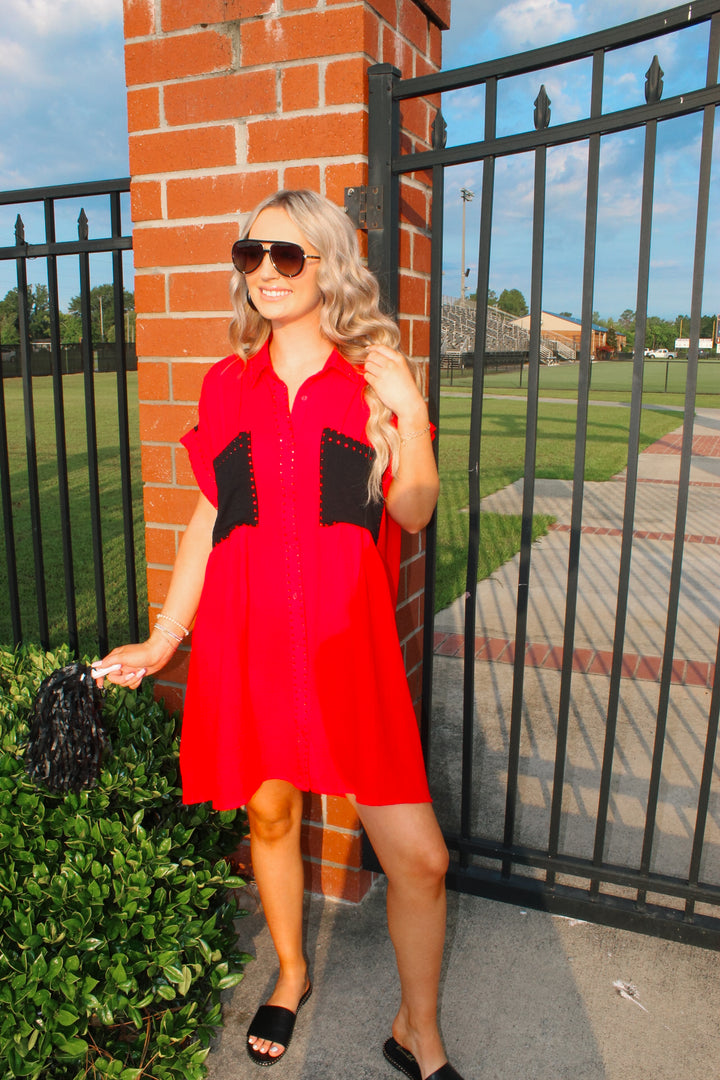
column 502, row 452
column 502, row 457
column 111, row 510
column 664, row 381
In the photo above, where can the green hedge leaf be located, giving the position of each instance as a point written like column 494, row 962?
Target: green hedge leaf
column 66, row 1017
column 116, row 914
column 74, row 1048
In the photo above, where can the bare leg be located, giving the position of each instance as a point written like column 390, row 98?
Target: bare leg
column 412, row 852
column 274, row 815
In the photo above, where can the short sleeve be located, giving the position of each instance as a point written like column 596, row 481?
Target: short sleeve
column 197, row 443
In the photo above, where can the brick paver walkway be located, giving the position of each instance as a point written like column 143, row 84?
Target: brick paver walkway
column 635, row 665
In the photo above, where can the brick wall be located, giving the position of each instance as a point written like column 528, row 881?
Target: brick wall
column 228, row 101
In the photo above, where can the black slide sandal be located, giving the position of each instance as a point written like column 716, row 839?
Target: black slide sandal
column 277, row 1024
column 402, row 1059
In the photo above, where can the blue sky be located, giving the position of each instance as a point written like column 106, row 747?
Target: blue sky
column 62, row 92
column 63, row 119
column 485, row 29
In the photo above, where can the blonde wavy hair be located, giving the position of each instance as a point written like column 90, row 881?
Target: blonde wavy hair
column 350, row 316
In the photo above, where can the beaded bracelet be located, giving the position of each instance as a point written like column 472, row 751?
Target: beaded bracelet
column 413, row 435
column 169, row 618
column 168, row 633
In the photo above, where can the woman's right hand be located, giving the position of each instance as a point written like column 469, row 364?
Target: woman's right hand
column 136, row 661
column 182, row 600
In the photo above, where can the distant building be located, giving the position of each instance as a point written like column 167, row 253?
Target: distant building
column 569, row 331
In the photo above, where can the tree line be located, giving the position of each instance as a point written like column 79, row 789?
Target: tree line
column 102, row 313
column 659, row 333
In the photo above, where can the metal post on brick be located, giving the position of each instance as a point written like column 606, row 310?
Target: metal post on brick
column 383, row 146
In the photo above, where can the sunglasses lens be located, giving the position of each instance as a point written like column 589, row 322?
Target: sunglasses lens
column 288, row 259
column 247, row 255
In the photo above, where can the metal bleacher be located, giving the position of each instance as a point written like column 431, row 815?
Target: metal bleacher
column 503, row 335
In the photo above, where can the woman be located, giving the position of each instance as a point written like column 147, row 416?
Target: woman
column 313, row 447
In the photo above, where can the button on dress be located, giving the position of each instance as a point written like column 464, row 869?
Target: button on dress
column 296, row 671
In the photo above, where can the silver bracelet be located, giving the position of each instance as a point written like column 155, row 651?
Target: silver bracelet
column 168, row 633
column 169, row 618
column 413, row 435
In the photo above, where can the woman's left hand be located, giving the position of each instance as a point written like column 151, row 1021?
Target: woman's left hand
column 387, row 372
column 412, row 495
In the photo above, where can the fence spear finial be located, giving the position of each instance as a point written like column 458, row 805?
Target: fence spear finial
column 654, row 82
column 19, row 230
column 542, row 110
column 439, row 135
column 83, row 228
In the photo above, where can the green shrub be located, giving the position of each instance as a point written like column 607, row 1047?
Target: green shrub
column 116, row 909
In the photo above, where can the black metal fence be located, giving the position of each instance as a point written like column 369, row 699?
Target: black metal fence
column 504, row 844
column 509, row 370
column 104, row 358
column 59, row 504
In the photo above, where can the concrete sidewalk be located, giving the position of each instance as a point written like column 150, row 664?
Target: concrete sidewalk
column 527, row 995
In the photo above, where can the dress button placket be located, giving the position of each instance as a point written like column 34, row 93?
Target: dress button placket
column 294, row 578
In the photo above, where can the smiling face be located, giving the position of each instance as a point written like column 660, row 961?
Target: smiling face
column 280, row 299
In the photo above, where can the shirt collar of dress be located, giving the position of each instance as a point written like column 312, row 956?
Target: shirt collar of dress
column 260, row 363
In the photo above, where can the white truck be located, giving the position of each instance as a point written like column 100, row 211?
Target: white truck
column 660, row 354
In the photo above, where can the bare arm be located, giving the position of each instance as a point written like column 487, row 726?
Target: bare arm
column 413, row 492
column 181, row 604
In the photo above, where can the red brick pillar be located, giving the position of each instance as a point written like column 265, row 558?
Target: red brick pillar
column 228, row 101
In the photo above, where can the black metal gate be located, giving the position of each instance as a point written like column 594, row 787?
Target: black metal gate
column 62, row 503
column 504, row 843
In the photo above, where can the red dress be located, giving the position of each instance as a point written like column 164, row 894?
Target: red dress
column 296, row 671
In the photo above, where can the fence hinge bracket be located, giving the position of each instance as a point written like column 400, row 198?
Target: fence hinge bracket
column 364, row 206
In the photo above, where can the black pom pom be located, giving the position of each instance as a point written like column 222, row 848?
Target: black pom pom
column 67, row 739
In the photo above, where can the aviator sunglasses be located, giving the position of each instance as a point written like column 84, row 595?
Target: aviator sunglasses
column 288, row 259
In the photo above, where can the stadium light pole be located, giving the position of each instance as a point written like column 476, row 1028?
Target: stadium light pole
column 466, row 196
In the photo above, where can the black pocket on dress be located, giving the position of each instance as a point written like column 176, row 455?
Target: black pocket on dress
column 345, row 466
column 237, row 495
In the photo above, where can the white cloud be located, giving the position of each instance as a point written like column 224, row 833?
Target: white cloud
column 62, row 97
column 600, row 16
column 628, row 80
column 469, row 23
column 466, row 104
column 16, row 60
column 567, row 178
column 571, row 98
column 58, row 17
column 483, row 30
column 536, row 22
